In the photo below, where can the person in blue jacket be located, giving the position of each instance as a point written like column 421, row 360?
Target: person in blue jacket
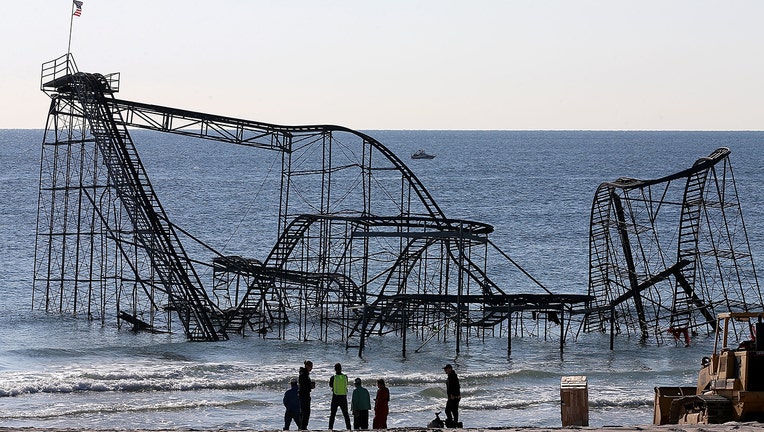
column 292, row 405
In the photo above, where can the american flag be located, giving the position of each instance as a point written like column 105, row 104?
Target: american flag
column 78, row 5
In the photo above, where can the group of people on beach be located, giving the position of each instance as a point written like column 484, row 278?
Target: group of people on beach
column 297, row 400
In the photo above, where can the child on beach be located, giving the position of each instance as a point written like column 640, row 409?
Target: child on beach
column 292, row 405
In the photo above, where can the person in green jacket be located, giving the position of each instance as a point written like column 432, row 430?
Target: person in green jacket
column 360, row 405
column 339, row 384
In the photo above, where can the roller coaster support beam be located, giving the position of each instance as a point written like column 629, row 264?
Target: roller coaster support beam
column 633, row 281
column 675, row 270
column 702, row 307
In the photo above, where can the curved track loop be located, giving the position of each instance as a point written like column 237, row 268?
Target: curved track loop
column 667, row 254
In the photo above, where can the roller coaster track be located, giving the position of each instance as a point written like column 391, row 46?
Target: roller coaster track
column 630, row 240
column 90, row 99
column 359, row 244
column 422, row 231
column 685, row 299
column 254, row 134
column 187, row 297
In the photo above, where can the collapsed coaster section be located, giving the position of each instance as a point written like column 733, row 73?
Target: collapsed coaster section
column 667, row 255
column 361, row 247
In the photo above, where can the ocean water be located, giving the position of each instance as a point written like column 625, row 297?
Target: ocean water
column 535, row 188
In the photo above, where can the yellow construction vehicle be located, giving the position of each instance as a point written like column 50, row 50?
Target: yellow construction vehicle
column 731, row 381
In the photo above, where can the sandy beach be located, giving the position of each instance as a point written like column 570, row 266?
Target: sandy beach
column 730, row 426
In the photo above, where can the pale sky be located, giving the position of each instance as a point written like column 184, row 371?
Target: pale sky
column 407, row 64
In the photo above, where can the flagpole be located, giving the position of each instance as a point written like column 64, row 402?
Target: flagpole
column 69, row 47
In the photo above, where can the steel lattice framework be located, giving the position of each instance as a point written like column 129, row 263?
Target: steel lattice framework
column 667, row 255
column 362, row 247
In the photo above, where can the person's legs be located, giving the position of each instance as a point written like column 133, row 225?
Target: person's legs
column 343, row 403
column 304, row 412
column 450, row 409
column 296, row 418
column 333, row 412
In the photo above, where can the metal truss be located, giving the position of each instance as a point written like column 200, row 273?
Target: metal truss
column 361, row 247
column 667, row 255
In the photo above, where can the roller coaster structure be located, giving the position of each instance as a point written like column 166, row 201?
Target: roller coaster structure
column 666, row 255
column 362, row 247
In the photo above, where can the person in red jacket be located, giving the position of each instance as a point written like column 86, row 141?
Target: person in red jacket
column 381, row 408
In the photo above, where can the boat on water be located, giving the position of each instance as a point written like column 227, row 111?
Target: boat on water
column 421, row 154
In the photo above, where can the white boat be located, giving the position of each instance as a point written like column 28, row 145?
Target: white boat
column 421, row 154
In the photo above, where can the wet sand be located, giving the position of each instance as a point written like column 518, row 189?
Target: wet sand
column 731, row 426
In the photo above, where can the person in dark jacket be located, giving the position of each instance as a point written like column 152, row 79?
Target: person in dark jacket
column 360, row 405
column 292, row 405
column 305, row 385
column 454, row 395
